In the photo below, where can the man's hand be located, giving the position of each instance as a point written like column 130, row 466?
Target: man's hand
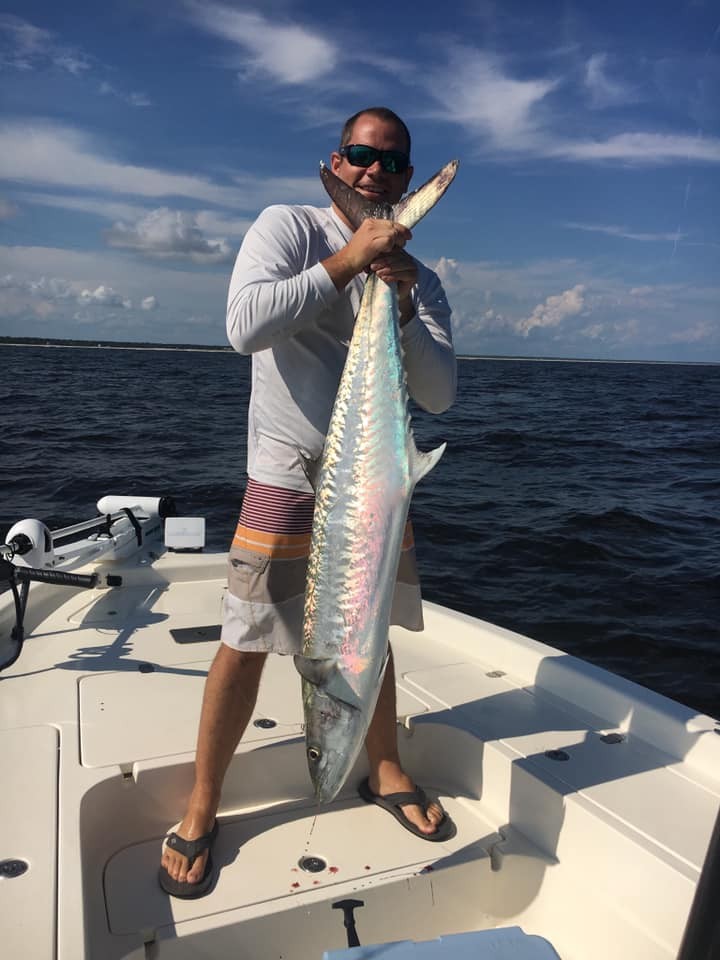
column 400, row 268
column 373, row 240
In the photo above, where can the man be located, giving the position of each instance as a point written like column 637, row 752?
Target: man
column 293, row 297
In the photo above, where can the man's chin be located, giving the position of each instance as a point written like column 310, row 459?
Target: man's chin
column 378, row 196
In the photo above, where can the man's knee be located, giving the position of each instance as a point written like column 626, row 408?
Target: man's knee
column 242, row 663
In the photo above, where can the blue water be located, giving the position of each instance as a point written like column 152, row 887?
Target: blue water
column 578, row 503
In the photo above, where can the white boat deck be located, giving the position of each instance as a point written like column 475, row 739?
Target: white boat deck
column 593, row 844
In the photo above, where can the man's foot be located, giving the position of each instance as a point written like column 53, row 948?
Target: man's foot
column 409, row 805
column 185, row 866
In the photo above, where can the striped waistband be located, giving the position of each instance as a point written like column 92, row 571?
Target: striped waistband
column 278, row 522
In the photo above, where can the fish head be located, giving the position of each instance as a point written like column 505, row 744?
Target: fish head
column 331, row 729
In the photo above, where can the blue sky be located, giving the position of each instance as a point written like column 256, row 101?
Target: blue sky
column 138, row 141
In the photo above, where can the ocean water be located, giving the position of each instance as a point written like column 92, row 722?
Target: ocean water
column 577, row 503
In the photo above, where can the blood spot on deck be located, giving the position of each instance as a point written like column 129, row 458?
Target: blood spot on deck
column 333, row 869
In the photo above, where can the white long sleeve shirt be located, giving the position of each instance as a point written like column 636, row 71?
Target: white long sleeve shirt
column 284, row 309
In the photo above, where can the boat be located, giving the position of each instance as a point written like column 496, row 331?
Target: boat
column 584, row 804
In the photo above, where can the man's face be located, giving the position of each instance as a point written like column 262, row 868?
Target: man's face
column 373, row 182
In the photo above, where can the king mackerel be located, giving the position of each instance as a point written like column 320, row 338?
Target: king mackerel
column 364, row 484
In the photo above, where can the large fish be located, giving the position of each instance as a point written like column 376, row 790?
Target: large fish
column 366, row 476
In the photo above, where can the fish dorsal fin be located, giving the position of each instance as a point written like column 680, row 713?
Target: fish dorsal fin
column 354, row 205
column 415, row 205
column 422, row 463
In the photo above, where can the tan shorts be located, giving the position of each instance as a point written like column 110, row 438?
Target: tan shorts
column 263, row 609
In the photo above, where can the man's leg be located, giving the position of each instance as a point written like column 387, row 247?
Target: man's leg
column 386, row 773
column 228, row 702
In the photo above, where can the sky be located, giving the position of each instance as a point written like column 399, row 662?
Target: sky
column 139, row 141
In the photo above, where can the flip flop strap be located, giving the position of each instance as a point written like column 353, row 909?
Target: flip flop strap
column 190, row 848
column 400, row 799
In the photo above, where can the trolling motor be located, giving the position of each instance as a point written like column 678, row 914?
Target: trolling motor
column 31, row 541
column 29, row 552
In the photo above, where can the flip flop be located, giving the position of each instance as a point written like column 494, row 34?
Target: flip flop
column 393, row 803
column 192, row 850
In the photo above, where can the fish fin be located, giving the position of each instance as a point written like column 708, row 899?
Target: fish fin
column 311, row 468
column 415, row 205
column 352, row 204
column 422, row 463
column 383, row 665
column 338, row 687
column 313, row 670
column 324, row 673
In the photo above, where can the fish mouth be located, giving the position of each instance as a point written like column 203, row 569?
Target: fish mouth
column 326, row 792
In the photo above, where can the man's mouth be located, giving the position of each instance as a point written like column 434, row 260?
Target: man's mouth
column 370, row 188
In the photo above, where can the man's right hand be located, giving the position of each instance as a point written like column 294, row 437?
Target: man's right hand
column 372, row 239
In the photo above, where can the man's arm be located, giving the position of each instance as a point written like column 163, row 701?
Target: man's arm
column 425, row 330
column 272, row 294
column 430, row 360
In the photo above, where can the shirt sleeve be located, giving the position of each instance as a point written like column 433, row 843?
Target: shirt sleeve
column 430, row 360
column 273, row 293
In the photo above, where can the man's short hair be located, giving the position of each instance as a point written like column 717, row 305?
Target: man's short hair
column 380, row 113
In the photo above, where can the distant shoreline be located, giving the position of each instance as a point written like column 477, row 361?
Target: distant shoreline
column 109, row 345
column 201, row 348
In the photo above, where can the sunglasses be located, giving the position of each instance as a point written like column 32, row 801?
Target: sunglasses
column 358, row 155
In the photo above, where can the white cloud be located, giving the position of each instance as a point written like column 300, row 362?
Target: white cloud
column 23, row 46
column 554, row 310
column 448, row 270
column 603, row 91
column 170, row 233
column 647, row 148
column 48, row 155
column 57, row 290
column 476, row 91
column 105, row 296
column 209, row 221
column 135, row 99
column 626, row 233
column 179, row 292
column 73, row 63
column 288, row 53
column 697, row 333
column 44, row 154
column 101, row 207
column 21, row 42
column 149, row 303
column 50, row 288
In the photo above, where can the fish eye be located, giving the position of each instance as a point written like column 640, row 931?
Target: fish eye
column 314, row 753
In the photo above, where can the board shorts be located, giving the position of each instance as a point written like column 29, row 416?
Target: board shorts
column 267, row 566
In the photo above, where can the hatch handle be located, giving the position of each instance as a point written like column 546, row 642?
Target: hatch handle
column 348, row 909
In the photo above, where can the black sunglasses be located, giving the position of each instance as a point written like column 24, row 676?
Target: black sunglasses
column 358, row 155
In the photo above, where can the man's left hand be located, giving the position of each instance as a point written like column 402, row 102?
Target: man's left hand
column 400, row 268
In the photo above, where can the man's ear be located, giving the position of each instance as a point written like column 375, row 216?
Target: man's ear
column 335, row 161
